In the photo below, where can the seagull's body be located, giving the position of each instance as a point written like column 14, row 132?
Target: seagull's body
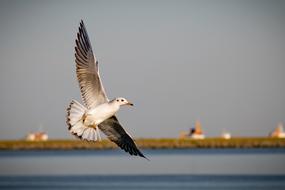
column 102, row 112
column 99, row 112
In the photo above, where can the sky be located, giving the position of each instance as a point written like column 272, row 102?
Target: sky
column 220, row 62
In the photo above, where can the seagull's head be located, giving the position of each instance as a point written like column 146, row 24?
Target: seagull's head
column 122, row 102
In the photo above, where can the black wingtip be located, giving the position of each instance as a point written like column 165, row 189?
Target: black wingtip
column 81, row 25
column 143, row 156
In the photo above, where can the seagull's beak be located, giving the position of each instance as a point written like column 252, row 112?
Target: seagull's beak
column 130, row 104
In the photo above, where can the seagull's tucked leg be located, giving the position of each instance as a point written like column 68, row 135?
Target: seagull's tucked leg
column 99, row 137
column 97, row 132
column 84, row 117
column 95, row 135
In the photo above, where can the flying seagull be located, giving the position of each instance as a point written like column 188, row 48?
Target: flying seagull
column 85, row 122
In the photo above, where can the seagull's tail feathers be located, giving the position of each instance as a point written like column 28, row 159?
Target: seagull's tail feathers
column 74, row 119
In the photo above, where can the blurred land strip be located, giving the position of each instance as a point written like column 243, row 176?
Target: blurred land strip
column 162, row 143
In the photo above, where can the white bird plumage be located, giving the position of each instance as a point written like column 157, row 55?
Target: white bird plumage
column 99, row 113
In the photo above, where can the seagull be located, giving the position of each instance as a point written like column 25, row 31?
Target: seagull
column 98, row 112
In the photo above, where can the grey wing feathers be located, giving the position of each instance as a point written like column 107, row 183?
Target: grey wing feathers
column 115, row 132
column 87, row 71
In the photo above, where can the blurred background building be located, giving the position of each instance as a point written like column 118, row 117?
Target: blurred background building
column 278, row 132
column 195, row 133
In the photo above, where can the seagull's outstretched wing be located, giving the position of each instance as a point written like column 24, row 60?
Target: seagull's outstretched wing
column 115, row 132
column 92, row 90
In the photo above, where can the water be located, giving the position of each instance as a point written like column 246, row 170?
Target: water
column 167, row 169
column 155, row 182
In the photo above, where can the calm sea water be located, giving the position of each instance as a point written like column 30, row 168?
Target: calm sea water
column 167, row 169
column 155, row 182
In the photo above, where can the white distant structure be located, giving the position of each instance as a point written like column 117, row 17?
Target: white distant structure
column 197, row 132
column 37, row 136
column 226, row 135
column 278, row 132
column 194, row 133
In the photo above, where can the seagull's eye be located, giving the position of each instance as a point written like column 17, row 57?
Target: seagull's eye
column 122, row 100
column 117, row 100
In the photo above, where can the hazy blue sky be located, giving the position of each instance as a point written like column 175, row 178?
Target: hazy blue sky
column 222, row 62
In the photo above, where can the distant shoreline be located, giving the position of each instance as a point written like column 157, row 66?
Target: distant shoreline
column 162, row 143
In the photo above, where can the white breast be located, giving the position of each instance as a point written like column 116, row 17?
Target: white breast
column 100, row 113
